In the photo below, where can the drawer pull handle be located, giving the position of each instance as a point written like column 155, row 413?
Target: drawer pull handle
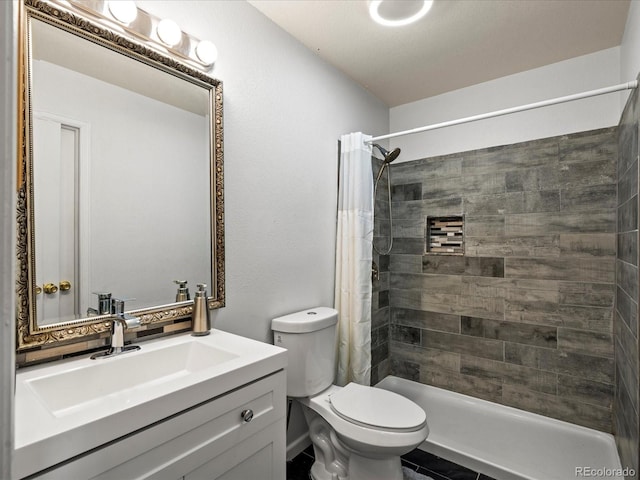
column 247, row 415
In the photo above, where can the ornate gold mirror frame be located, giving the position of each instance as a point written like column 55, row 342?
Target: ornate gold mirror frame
column 29, row 334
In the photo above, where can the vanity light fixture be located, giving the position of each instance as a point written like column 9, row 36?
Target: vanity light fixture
column 162, row 35
column 207, row 52
column 124, row 11
column 398, row 13
column 169, row 32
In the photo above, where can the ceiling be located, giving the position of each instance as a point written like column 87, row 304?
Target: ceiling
column 459, row 43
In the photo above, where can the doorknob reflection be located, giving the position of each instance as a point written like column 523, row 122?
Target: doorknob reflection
column 50, row 288
column 65, row 285
column 38, row 290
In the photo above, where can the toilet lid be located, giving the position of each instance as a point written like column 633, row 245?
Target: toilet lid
column 377, row 407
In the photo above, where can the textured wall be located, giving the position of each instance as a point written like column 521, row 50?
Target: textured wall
column 626, row 419
column 578, row 74
column 8, row 134
column 524, row 318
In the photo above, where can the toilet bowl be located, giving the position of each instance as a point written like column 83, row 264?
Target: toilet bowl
column 358, row 432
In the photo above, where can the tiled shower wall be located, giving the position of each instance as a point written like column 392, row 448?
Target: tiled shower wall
column 525, row 317
column 380, row 295
column 626, row 418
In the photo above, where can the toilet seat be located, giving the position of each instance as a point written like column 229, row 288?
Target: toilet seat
column 377, row 408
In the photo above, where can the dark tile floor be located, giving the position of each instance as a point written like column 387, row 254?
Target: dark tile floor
column 422, row 462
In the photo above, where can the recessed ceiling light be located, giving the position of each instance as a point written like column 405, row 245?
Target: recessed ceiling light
column 397, row 13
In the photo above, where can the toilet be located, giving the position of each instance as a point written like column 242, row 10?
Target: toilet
column 358, row 432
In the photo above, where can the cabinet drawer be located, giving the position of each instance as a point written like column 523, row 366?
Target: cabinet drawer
column 182, row 443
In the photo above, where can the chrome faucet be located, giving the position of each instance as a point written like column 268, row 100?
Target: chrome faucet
column 119, row 322
column 104, row 304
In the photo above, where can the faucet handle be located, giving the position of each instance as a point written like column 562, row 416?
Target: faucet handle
column 117, row 310
column 117, row 305
column 104, row 304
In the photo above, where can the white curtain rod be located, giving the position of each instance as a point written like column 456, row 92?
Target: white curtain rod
column 506, row 111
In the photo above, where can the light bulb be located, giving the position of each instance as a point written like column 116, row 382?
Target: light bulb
column 124, row 11
column 169, row 32
column 207, row 52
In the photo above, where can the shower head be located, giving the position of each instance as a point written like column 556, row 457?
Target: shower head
column 389, row 156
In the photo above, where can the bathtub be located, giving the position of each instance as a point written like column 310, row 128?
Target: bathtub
column 507, row 443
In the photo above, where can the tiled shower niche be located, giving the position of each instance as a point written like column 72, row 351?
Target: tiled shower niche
column 524, row 318
column 445, row 235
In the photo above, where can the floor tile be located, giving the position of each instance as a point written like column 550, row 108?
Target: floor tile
column 422, row 462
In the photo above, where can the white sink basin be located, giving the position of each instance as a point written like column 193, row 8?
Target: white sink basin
column 66, row 408
column 62, row 392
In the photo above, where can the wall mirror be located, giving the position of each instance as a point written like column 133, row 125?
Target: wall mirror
column 120, row 186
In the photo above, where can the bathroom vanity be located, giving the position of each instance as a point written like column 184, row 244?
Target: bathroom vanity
column 182, row 407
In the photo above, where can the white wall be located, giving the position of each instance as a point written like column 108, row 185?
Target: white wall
column 283, row 113
column 8, row 137
column 630, row 47
column 588, row 72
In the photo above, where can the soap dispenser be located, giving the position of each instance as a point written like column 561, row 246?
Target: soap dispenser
column 201, row 318
column 183, row 292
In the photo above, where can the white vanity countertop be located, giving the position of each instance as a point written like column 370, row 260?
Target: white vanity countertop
column 65, row 408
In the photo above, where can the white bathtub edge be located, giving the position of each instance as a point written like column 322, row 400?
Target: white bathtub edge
column 438, row 444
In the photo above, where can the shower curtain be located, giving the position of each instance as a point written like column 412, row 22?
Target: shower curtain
column 353, row 260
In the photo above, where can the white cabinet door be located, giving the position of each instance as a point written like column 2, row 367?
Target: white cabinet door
column 261, row 456
column 213, row 436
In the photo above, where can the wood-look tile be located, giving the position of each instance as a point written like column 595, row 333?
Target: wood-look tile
column 628, row 215
column 599, row 369
column 433, row 283
column 627, row 309
column 627, row 278
column 484, row 225
column 585, row 341
column 510, row 373
column 465, row 384
column 404, row 334
column 598, row 145
column 589, row 269
column 407, row 191
column 550, row 313
column 628, row 247
column 595, row 221
column 586, row 390
column 628, row 183
column 626, row 368
column 586, row 173
column 457, row 265
column 569, row 410
column 511, row 157
column 588, row 244
column 423, row 319
column 513, row 246
column 428, row 358
column 534, row 179
column 463, row 344
column 539, row 335
column 588, row 294
column 405, row 263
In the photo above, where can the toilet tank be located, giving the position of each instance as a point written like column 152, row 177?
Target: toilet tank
column 310, row 338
